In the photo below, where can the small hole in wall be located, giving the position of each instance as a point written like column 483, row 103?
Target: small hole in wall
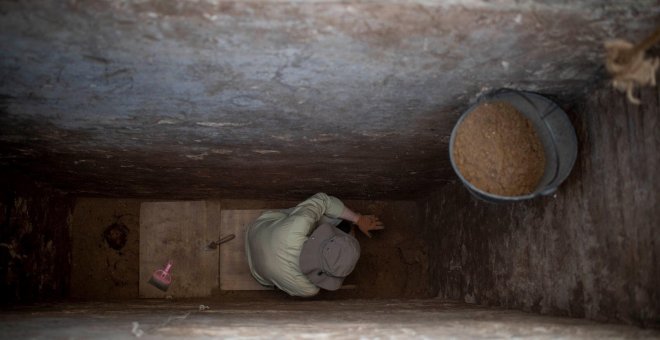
column 116, row 235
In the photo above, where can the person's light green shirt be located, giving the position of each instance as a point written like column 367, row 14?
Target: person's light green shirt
column 274, row 241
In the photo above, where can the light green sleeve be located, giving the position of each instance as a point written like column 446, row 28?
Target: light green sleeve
column 316, row 206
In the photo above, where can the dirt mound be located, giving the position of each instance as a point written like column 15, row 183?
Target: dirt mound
column 498, row 151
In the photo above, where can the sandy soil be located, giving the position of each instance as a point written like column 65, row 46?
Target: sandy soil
column 498, row 151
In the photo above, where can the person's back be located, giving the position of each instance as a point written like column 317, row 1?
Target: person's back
column 273, row 247
column 275, row 241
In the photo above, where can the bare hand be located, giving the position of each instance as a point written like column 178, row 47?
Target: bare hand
column 367, row 223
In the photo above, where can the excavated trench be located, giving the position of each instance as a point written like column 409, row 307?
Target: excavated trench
column 217, row 110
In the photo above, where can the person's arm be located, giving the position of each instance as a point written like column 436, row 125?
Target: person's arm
column 349, row 215
column 321, row 204
column 365, row 223
column 313, row 208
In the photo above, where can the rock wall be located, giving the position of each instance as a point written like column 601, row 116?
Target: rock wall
column 35, row 242
column 591, row 250
column 206, row 98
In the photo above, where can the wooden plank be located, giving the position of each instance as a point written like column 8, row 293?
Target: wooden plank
column 213, row 216
column 234, row 269
column 178, row 231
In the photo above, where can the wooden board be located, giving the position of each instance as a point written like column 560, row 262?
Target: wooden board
column 179, row 231
column 213, row 226
column 234, row 269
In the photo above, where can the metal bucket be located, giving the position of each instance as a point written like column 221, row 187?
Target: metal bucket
column 553, row 128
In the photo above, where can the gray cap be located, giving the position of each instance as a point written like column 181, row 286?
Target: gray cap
column 328, row 256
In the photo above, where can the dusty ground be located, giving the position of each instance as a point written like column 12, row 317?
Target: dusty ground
column 395, row 319
column 393, row 264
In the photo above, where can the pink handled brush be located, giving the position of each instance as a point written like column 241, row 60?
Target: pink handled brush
column 162, row 278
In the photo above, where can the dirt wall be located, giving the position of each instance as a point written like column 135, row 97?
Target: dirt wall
column 35, row 243
column 591, row 250
column 106, row 245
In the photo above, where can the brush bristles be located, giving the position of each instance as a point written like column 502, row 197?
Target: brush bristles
column 159, row 284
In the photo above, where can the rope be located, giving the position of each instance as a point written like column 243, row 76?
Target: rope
column 628, row 65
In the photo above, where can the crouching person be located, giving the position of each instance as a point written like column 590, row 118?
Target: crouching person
column 301, row 250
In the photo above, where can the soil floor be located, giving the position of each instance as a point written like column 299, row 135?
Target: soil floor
column 393, row 263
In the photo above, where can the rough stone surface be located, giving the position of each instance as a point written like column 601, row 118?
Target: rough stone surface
column 276, row 99
column 278, row 319
column 591, row 250
column 35, row 246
